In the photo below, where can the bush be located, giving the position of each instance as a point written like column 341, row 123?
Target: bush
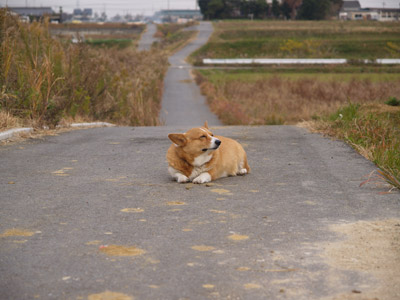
column 393, row 101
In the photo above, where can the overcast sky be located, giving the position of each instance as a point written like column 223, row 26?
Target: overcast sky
column 147, row 7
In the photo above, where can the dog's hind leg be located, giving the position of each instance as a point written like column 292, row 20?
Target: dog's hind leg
column 244, row 167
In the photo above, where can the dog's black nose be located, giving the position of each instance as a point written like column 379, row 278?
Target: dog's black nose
column 218, row 142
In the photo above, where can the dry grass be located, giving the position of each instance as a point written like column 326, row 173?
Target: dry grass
column 8, row 121
column 281, row 100
column 44, row 80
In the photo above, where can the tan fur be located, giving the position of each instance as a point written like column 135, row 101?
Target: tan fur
column 228, row 160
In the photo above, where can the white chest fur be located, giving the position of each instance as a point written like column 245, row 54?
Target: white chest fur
column 199, row 165
column 202, row 159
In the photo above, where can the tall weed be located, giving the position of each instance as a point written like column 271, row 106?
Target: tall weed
column 44, row 80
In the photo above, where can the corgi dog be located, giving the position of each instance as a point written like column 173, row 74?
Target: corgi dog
column 199, row 156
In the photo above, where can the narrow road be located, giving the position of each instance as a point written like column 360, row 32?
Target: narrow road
column 147, row 38
column 183, row 103
column 95, row 210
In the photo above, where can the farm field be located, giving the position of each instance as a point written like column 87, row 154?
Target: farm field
column 302, row 39
column 287, row 96
column 100, row 35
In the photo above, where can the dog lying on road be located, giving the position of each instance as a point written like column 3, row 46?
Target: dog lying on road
column 201, row 157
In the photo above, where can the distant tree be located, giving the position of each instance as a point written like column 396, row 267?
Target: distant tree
column 203, row 4
column 314, row 9
column 216, row 9
column 294, row 5
column 276, row 11
column 286, row 10
column 257, row 8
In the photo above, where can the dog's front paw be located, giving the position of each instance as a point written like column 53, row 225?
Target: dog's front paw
column 242, row 171
column 181, row 178
column 202, row 178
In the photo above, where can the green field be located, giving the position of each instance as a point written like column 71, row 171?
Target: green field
column 302, row 39
column 321, row 74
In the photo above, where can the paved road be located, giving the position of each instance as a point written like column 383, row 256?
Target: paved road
column 95, row 210
column 147, row 38
column 93, row 214
column 182, row 102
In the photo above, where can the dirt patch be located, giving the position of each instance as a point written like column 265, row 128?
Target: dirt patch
column 107, row 295
column 370, row 247
column 118, row 250
column 16, row 232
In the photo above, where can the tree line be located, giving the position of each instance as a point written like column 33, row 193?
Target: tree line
column 260, row 9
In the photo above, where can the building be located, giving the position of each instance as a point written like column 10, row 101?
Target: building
column 82, row 15
column 178, row 16
column 34, row 13
column 352, row 10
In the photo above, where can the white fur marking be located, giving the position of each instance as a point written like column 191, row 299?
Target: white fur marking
column 203, row 178
column 242, row 171
column 204, row 130
column 202, row 159
column 178, row 176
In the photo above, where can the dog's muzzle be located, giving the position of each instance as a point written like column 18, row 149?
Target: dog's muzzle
column 215, row 145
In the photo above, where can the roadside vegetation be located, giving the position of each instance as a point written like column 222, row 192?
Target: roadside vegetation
column 373, row 130
column 45, row 81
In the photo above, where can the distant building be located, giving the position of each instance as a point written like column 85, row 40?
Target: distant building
column 33, row 13
column 82, row 15
column 352, row 10
column 178, row 16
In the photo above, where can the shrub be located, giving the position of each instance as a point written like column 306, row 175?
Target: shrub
column 393, row 101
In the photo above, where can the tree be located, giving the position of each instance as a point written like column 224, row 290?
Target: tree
column 203, row 4
column 314, row 9
column 257, row 8
column 276, row 11
column 286, row 10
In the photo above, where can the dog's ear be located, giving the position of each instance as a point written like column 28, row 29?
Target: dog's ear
column 205, row 125
column 177, row 138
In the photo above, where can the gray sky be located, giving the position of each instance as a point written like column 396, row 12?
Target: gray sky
column 147, row 7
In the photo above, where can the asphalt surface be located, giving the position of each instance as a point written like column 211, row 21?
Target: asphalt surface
column 93, row 214
column 183, row 103
column 147, row 38
column 71, row 198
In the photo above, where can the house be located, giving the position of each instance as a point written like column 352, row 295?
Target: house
column 178, row 15
column 33, row 13
column 353, row 10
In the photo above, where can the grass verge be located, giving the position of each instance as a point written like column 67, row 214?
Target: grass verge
column 373, row 130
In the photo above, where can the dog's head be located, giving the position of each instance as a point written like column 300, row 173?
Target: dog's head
column 196, row 141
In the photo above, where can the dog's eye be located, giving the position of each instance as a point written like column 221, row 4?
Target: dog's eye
column 203, row 137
